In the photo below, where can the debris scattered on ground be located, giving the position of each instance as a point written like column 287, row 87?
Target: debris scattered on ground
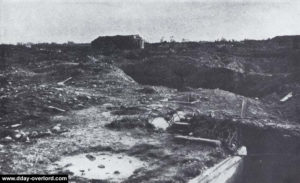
column 178, row 116
column 56, row 108
column 101, row 166
column 116, row 172
column 18, row 136
column 244, row 108
column 181, row 123
column 90, row 157
column 62, row 83
column 101, row 108
column 108, row 106
column 56, row 129
column 40, row 134
column 287, row 97
column 147, row 90
column 159, row 123
column 8, row 138
column 242, row 151
column 16, row 125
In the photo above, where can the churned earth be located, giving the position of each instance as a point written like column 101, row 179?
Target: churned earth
column 66, row 104
column 99, row 110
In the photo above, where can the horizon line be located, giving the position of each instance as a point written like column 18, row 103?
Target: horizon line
column 177, row 41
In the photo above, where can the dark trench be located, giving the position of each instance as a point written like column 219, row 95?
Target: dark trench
column 273, row 157
column 181, row 75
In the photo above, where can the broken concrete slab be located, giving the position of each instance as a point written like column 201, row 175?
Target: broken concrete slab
column 227, row 171
column 159, row 123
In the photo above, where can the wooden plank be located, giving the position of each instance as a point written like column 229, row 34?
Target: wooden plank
column 56, row 108
column 198, row 139
column 181, row 123
column 63, row 82
column 287, row 97
column 243, row 110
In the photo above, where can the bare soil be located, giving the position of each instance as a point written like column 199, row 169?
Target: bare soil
column 107, row 102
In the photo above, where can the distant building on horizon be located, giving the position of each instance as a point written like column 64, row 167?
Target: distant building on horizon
column 288, row 41
column 118, row 42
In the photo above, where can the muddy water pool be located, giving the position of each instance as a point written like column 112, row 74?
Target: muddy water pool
column 102, row 166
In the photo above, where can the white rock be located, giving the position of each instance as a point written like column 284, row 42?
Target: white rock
column 34, row 134
column 17, row 136
column 242, row 151
column 15, row 125
column 106, row 114
column 108, row 105
column 57, row 128
column 8, row 138
column 165, row 100
column 178, row 116
column 48, row 132
column 160, row 123
column 23, row 133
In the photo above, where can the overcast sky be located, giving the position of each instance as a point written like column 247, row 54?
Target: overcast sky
column 84, row 20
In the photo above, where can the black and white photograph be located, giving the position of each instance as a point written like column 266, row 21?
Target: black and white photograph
column 150, row 91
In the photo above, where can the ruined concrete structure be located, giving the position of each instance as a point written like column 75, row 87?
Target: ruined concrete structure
column 121, row 42
column 288, row 41
column 4, row 51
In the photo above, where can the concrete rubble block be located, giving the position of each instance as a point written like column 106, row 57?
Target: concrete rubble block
column 160, row 123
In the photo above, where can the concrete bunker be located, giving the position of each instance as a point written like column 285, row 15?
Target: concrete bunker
column 108, row 44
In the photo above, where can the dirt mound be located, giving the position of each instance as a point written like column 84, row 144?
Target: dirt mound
column 48, row 80
column 256, row 69
column 181, row 74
